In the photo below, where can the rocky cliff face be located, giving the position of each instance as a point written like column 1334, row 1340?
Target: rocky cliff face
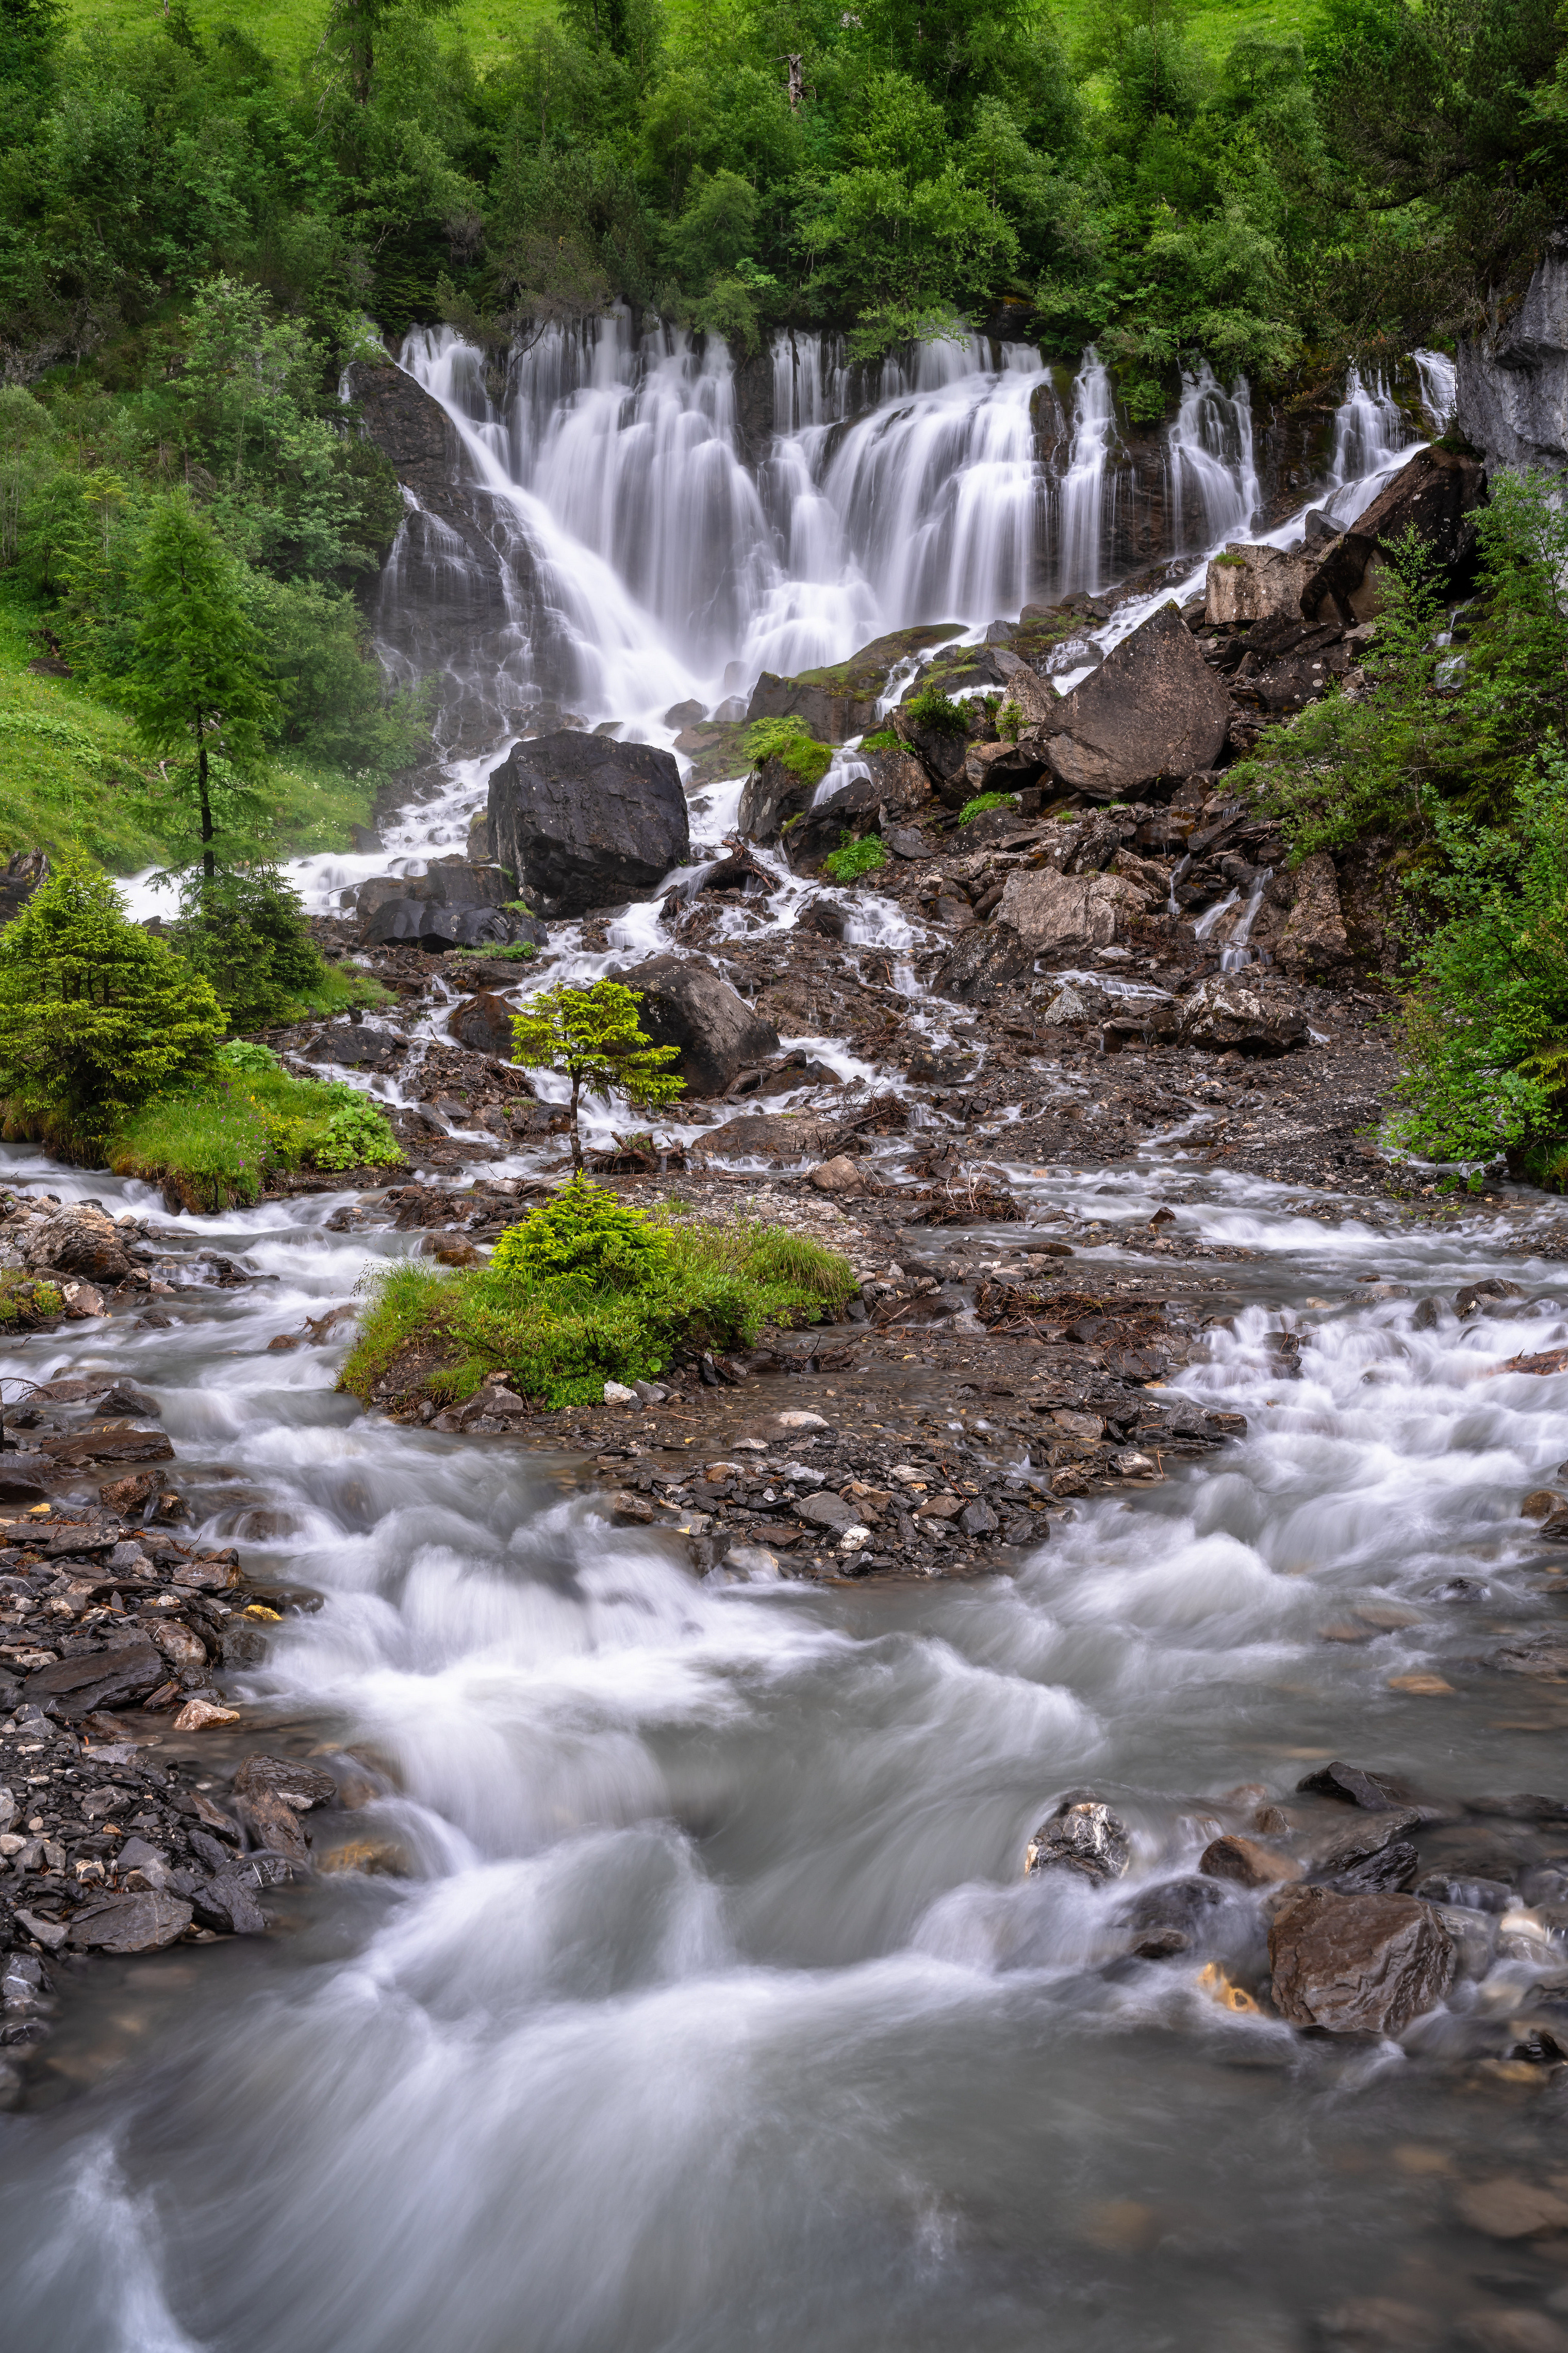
column 1513, row 380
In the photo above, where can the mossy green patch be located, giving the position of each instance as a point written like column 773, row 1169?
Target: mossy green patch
column 788, row 742
column 984, row 801
column 216, row 1143
column 584, row 1291
column 854, row 859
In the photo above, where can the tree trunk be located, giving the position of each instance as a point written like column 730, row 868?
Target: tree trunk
column 209, row 863
column 576, row 1131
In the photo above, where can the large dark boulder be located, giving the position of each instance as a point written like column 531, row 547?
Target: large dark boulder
column 483, row 1024
column 690, row 1006
column 841, row 699
column 446, row 883
column 584, row 821
column 1436, row 495
column 1152, row 710
column 418, row 923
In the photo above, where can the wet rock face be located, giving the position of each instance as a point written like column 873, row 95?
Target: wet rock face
column 1436, row 495
column 688, row 1006
column 1081, row 1836
column 1314, row 943
column 841, row 699
column 1513, row 383
column 435, row 928
column 1254, row 583
column 582, row 822
column 1153, row 710
column 1358, row 1964
column 771, row 794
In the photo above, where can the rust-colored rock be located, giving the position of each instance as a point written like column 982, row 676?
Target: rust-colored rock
column 1358, row 1964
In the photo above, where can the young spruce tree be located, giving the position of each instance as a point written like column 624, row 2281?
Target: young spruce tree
column 197, row 684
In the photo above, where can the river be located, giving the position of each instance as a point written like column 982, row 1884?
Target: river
column 710, row 2006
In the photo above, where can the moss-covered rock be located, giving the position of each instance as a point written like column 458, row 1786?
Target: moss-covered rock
column 840, row 699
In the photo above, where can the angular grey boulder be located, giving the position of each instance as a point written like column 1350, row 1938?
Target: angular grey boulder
column 583, row 822
column 1153, row 710
column 1082, row 1836
column 690, row 1006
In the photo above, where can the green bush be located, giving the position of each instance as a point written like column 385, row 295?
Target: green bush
column 354, row 1134
column 853, row 859
column 95, row 1016
column 984, row 801
column 937, row 711
column 244, row 930
column 1486, row 1025
column 884, row 739
column 586, row 1290
column 242, row 1054
column 216, row 1143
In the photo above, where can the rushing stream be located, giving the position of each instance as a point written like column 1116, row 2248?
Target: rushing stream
column 710, row 2008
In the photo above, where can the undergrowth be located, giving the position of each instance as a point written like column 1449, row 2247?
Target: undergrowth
column 586, row 1290
column 984, row 801
column 216, row 1143
column 791, row 741
column 853, row 859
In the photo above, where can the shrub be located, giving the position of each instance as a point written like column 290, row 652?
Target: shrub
column 937, row 711
column 244, row 930
column 1486, row 1025
column 853, row 859
column 217, row 1143
column 586, row 1290
column 95, row 1016
column 243, row 1055
column 883, row 740
column 354, row 1134
column 984, row 801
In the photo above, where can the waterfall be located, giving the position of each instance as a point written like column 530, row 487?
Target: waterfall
column 1082, row 500
column 1212, row 471
column 642, row 522
column 1440, row 380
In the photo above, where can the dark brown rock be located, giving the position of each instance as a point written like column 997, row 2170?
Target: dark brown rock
column 1436, row 495
column 1246, row 1863
column 274, row 1824
column 1358, row 1964
column 1154, row 710
column 690, row 1006
column 483, row 1024
column 99, row 1678
column 583, row 822
column 300, row 1786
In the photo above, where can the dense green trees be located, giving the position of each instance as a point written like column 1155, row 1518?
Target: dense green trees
column 740, row 164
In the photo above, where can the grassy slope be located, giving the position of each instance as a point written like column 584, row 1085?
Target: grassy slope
column 69, row 774
column 290, row 29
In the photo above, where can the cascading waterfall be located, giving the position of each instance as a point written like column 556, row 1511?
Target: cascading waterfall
column 665, row 524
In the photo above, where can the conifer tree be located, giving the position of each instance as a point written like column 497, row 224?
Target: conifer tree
column 94, row 1014
column 198, row 677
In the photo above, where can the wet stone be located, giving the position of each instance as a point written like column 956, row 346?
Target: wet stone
column 132, row 1924
column 1358, row 1964
column 1082, row 1836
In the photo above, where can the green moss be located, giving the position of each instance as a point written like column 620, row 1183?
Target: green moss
column 1228, row 563
column 586, row 1290
column 787, row 740
column 984, row 801
column 884, row 740
column 854, row 859
column 518, row 952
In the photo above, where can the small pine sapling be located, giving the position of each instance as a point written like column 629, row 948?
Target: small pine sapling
column 592, row 1038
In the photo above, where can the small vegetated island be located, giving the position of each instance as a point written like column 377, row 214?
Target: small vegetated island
column 586, row 1290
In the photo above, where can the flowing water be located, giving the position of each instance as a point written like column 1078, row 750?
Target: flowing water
column 712, row 2010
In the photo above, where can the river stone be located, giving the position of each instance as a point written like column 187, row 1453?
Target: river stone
column 1225, row 1012
column 274, row 1825
column 584, row 822
column 1049, row 910
column 1246, row 1863
column 114, row 1444
column 1167, row 1918
column 300, row 1786
column 81, row 1242
column 101, row 1678
column 1379, row 1793
column 828, row 1510
column 777, row 1135
column 1154, row 710
column 227, row 1902
column 1510, row 2206
column 1391, row 1867
column 983, row 961
column 142, row 1923
column 1083, row 1836
column 1368, row 1837
column 1255, row 584
column 1358, row 1964
column 688, row 1006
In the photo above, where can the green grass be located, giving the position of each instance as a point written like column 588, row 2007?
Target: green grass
column 641, row 1290
column 854, row 858
column 70, row 775
column 1212, row 25
column 290, row 30
column 984, row 801
column 789, row 741
column 217, row 1144
column 342, row 987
